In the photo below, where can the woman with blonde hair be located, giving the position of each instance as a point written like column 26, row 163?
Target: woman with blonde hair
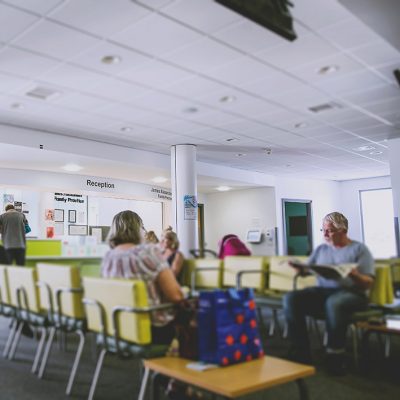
column 170, row 252
column 131, row 259
column 151, row 237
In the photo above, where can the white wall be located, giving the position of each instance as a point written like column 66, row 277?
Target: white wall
column 394, row 160
column 350, row 200
column 325, row 197
column 237, row 211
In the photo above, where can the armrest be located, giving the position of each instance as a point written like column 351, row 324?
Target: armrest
column 58, row 293
column 298, row 275
column 102, row 317
column 247, row 272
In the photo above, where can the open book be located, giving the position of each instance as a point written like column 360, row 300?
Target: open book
column 326, row 271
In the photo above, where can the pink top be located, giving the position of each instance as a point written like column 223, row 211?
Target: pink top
column 142, row 262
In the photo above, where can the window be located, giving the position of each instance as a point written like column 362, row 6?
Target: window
column 377, row 218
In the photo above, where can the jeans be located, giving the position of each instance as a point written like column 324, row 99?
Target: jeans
column 335, row 305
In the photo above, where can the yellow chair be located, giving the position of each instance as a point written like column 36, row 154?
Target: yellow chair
column 24, row 297
column 118, row 312
column 203, row 273
column 61, row 297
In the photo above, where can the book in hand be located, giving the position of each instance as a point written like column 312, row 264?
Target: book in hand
column 393, row 321
column 326, row 271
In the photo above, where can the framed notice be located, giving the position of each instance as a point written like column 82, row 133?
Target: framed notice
column 72, row 216
column 59, row 228
column 58, row 215
column 74, row 230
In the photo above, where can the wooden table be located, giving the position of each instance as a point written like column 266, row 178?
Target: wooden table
column 233, row 381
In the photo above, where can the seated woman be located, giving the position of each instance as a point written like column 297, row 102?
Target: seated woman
column 170, row 252
column 130, row 259
column 151, row 237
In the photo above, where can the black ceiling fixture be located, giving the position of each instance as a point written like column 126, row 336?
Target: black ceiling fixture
column 271, row 14
column 396, row 73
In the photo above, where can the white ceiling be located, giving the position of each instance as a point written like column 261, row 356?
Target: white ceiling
column 180, row 55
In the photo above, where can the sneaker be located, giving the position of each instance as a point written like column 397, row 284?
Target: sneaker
column 336, row 364
column 27, row 331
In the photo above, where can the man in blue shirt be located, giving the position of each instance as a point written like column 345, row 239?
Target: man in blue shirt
column 336, row 300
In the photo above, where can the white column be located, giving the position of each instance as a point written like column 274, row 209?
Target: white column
column 184, row 195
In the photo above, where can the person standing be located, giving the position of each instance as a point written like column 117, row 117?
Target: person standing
column 12, row 229
column 337, row 300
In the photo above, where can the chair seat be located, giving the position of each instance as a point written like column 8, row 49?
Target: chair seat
column 365, row 315
column 134, row 350
column 7, row 311
column 69, row 324
column 39, row 320
column 269, row 299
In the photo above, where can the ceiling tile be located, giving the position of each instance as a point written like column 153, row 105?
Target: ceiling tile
column 161, row 35
column 100, row 17
column 13, row 22
column 203, row 55
column 24, row 63
column 205, row 15
column 35, row 6
column 370, row 95
column 55, row 40
column 196, row 87
column 80, row 101
column 10, row 83
column 377, row 53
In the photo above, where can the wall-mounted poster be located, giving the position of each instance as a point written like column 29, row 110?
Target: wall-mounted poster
column 49, row 214
column 58, row 215
column 59, row 228
column 8, row 199
column 49, row 232
column 72, row 216
column 77, row 229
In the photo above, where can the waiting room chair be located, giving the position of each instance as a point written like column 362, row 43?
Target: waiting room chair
column 61, row 297
column 118, row 313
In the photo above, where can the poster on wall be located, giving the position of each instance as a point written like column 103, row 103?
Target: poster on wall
column 77, row 229
column 59, row 228
column 72, row 216
column 58, row 215
column 81, row 217
column 190, row 205
column 8, row 199
column 49, row 214
column 49, row 232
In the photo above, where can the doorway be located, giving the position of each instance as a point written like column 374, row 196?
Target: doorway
column 297, row 227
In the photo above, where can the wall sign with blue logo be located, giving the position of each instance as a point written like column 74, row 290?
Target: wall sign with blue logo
column 190, row 204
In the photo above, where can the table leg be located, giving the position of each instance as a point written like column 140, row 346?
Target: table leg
column 155, row 385
column 303, row 390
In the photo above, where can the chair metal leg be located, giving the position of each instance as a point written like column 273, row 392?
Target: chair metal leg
column 15, row 342
column 354, row 337
column 387, row 346
column 39, row 350
column 143, row 385
column 46, row 352
column 76, row 362
column 97, row 373
column 273, row 322
column 13, row 329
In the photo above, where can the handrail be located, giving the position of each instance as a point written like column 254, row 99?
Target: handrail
column 58, row 292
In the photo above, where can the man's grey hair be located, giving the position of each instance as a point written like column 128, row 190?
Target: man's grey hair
column 338, row 220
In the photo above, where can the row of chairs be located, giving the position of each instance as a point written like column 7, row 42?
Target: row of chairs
column 53, row 298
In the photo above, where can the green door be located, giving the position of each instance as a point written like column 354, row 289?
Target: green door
column 297, row 227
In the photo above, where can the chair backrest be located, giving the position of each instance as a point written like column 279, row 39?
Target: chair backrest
column 234, row 264
column 281, row 274
column 57, row 276
column 26, row 278
column 118, row 292
column 381, row 292
column 205, row 279
column 4, row 287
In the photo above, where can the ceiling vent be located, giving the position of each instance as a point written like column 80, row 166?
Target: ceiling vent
column 42, row 93
column 325, row 107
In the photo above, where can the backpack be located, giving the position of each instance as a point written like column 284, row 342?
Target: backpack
column 231, row 245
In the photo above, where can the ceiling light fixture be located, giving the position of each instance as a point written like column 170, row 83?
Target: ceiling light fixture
column 241, row 155
column 328, row 69
column 17, row 106
column 227, row 99
column 110, row 60
column 375, row 153
column 190, row 110
column 233, row 139
column 126, row 129
column 300, row 125
column 364, row 148
column 159, row 179
column 267, row 150
column 72, row 167
column 223, row 188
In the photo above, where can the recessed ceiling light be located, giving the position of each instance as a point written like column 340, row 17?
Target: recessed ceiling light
column 300, row 125
column 233, row 139
column 227, row 99
column 72, row 167
column 375, row 153
column 17, row 106
column 241, row 155
column 223, row 188
column 126, row 129
column 111, row 60
column 364, row 148
column 267, row 150
column 328, row 69
column 190, row 110
column 159, row 179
